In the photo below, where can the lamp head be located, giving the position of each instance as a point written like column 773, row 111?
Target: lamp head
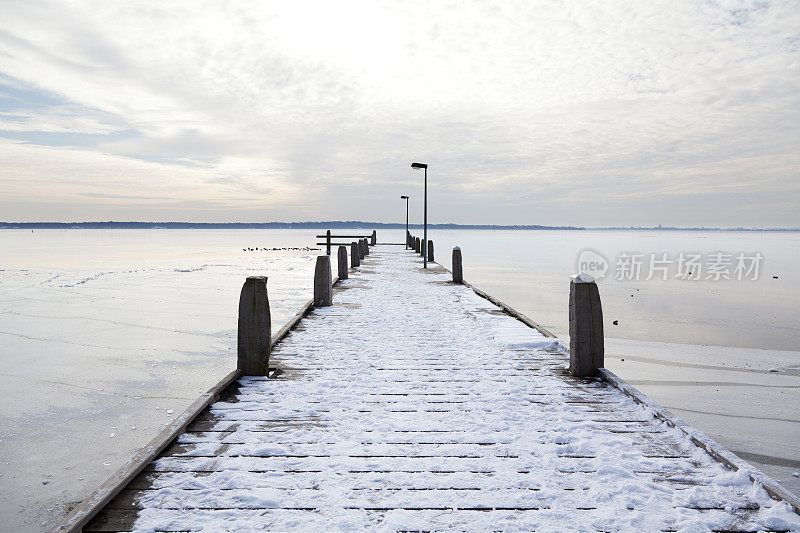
column 417, row 166
column 404, row 197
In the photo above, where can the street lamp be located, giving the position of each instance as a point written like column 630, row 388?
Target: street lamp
column 406, row 199
column 424, row 166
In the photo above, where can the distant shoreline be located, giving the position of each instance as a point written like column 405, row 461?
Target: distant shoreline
column 337, row 224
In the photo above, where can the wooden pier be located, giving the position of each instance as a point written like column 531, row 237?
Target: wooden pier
column 416, row 403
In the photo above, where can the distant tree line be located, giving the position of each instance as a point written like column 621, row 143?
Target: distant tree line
column 258, row 225
column 334, row 224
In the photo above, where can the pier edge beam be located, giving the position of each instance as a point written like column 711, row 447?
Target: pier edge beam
column 430, row 251
column 355, row 255
column 458, row 273
column 586, row 343
column 254, row 328
column 323, row 282
column 342, row 262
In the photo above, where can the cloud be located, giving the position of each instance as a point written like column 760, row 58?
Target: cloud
column 317, row 108
column 60, row 119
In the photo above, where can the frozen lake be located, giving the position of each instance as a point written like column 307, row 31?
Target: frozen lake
column 106, row 335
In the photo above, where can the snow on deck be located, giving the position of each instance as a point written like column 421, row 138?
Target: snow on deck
column 414, row 404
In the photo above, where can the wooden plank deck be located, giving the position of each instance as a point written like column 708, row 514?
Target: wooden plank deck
column 414, row 404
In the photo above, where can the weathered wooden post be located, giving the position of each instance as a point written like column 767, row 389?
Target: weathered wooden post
column 416, row 244
column 458, row 274
column 430, row 251
column 323, row 284
column 361, row 253
column 328, row 242
column 342, row 262
column 408, row 239
column 355, row 254
column 374, row 238
column 255, row 328
column 366, row 246
column 586, row 348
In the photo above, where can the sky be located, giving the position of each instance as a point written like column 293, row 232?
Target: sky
column 681, row 113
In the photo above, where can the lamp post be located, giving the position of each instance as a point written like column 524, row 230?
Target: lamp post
column 406, row 199
column 424, row 166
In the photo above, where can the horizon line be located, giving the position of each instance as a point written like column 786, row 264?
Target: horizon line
column 110, row 224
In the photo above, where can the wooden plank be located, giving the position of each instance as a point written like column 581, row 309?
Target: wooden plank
column 298, row 316
column 88, row 508
column 505, row 307
column 382, row 472
column 113, row 520
column 713, row 448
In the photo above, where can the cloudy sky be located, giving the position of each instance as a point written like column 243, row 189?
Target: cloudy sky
column 528, row 112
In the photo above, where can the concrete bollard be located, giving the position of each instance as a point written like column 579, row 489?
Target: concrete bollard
column 255, row 328
column 586, row 345
column 323, row 284
column 430, row 251
column 374, row 238
column 355, row 255
column 458, row 274
column 366, row 247
column 342, row 262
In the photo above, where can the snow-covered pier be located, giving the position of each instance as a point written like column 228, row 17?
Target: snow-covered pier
column 413, row 403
